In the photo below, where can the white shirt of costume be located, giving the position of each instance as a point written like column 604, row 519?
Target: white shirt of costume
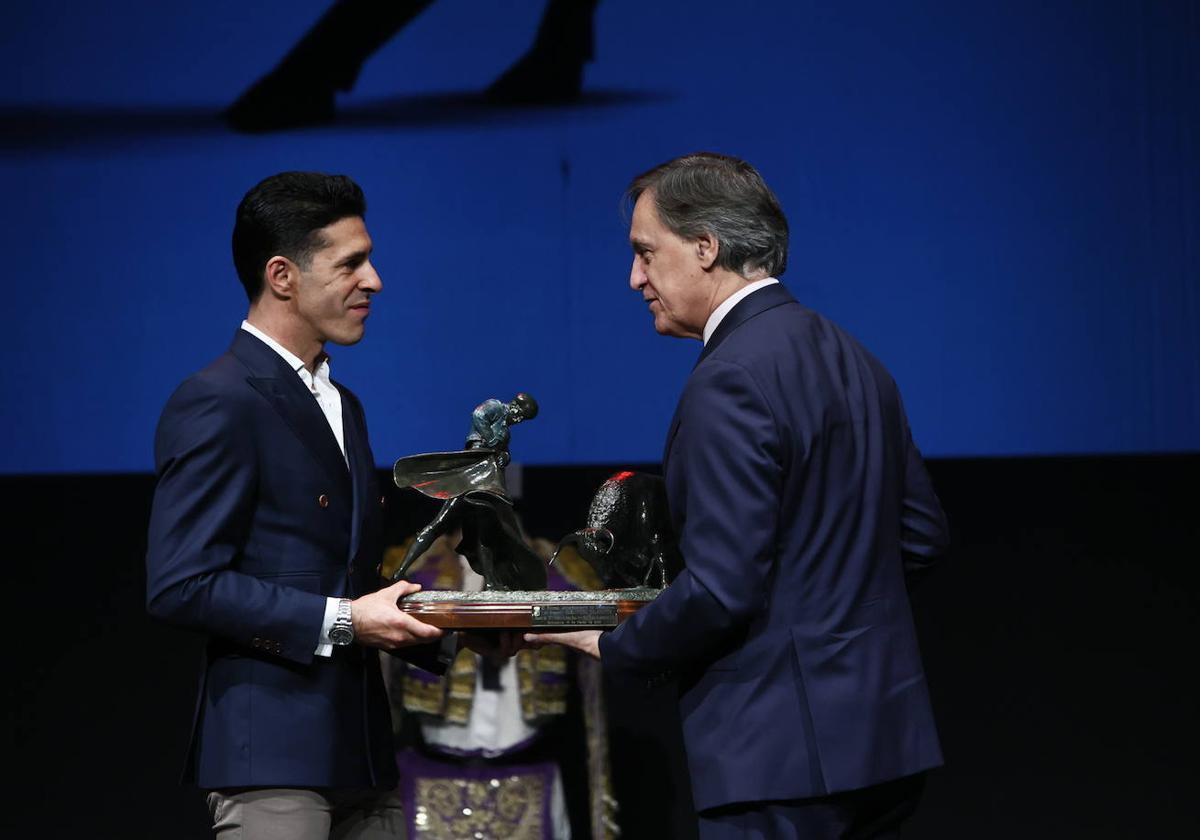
column 495, row 723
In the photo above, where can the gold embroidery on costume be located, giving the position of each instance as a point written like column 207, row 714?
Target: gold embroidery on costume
column 506, row 808
column 422, row 695
column 459, row 684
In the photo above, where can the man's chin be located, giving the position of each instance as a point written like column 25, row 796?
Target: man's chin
column 668, row 329
column 347, row 338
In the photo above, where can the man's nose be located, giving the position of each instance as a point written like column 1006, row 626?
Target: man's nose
column 369, row 279
column 637, row 277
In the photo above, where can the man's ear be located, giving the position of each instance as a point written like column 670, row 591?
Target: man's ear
column 281, row 276
column 707, row 248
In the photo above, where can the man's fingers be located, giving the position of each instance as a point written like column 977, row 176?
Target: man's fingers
column 584, row 641
column 419, row 629
column 403, row 587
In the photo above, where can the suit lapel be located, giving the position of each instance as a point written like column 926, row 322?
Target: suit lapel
column 753, row 304
column 756, row 303
column 295, row 404
column 356, row 454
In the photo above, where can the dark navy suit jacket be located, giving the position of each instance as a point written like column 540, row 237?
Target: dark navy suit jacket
column 256, row 520
column 800, row 501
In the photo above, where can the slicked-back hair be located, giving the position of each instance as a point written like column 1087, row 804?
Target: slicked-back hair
column 283, row 216
column 710, row 193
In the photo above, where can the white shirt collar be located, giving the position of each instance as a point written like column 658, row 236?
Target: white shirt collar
column 733, row 300
column 320, row 386
column 294, row 361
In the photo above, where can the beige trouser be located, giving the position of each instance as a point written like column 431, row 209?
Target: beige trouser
column 306, row 814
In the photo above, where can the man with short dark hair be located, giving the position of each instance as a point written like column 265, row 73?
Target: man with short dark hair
column 265, row 535
column 801, row 506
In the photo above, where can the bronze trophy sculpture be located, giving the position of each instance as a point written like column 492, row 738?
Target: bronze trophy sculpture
column 627, row 541
column 476, row 499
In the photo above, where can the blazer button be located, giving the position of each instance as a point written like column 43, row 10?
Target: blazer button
column 323, row 500
column 350, row 571
column 383, row 501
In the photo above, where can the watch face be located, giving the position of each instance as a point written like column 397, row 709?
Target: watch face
column 341, row 635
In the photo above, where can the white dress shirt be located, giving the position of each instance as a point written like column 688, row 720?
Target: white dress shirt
column 733, row 300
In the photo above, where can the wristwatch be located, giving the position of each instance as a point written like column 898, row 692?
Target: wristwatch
column 342, row 631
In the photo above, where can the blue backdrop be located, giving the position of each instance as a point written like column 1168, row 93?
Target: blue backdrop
column 1000, row 199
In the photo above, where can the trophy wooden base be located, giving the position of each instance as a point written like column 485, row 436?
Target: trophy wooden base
column 542, row 611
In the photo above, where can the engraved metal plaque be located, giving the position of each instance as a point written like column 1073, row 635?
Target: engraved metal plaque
column 574, row 615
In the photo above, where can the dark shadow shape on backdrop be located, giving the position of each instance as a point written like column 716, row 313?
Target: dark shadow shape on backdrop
column 302, row 89
column 31, row 129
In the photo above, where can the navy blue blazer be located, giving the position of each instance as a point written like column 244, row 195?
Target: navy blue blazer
column 800, row 501
column 256, row 521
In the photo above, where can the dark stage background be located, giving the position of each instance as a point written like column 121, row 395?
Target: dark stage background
column 1057, row 639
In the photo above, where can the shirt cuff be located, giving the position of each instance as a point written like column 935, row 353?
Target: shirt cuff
column 324, row 645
